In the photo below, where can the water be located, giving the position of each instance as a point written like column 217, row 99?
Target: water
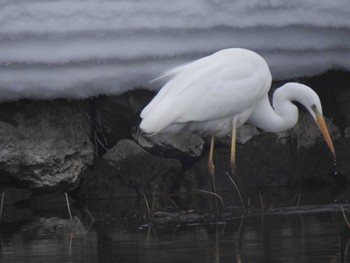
column 303, row 237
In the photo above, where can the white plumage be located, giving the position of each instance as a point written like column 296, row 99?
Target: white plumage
column 220, row 92
column 205, row 94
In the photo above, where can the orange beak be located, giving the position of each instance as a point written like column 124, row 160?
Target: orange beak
column 323, row 127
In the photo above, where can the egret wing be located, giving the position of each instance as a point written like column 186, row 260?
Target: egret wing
column 215, row 87
column 177, row 80
column 231, row 91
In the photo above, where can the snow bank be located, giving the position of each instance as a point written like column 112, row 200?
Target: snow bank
column 74, row 49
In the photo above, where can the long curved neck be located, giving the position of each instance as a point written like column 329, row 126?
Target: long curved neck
column 282, row 116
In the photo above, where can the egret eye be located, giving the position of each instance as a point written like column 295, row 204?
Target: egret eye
column 315, row 109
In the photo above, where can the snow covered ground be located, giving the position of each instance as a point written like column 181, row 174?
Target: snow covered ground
column 77, row 49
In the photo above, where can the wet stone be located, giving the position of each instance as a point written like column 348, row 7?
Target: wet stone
column 45, row 143
column 117, row 115
column 127, row 170
column 261, row 162
column 244, row 134
column 13, row 215
column 181, row 145
column 306, row 132
column 12, row 195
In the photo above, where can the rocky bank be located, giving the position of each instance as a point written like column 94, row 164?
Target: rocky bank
column 94, row 150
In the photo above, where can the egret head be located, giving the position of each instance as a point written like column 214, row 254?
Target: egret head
column 312, row 103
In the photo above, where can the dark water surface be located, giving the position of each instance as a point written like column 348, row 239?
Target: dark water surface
column 303, row 237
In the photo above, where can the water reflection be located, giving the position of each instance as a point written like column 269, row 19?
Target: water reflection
column 321, row 237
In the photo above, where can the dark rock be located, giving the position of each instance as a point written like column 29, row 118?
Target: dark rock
column 118, row 114
column 333, row 90
column 51, row 202
column 256, row 165
column 265, row 162
column 15, row 215
column 182, row 145
column 347, row 132
column 306, row 132
column 59, row 230
column 49, row 146
column 14, row 195
column 181, row 217
column 127, row 170
column 12, row 208
column 244, row 134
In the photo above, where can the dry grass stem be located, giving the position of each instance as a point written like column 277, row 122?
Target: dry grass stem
column 211, row 193
column 2, row 204
column 345, row 217
column 147, row 205
column 68, row 206
column 237, row 189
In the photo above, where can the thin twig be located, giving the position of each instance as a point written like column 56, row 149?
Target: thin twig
column 172, row 201
column 71, row 236
column 68, row 206
column 345, row 217
column 237, row 189
column 261, row 201
column 2, row 243
column 299, row 197
column 99, row 122
column 148, row 208
column 211, row 193
column 88, row 212
column 2, row 204
column 346, row 251
column 101, row 144
column 293, row 199
column 153, row 203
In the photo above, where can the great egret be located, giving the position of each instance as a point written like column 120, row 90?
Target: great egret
column 218, row 93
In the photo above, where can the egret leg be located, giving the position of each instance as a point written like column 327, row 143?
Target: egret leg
column 233, row 151
column 211, row 168
column 233, row 164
